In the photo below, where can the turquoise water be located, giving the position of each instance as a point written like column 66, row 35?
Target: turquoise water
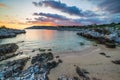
column 59, row 41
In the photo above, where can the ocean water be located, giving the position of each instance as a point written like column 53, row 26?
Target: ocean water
column 58, row 41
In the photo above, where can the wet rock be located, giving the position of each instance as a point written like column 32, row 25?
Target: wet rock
column 42, row 50
column 64, row 77
column 108, row 56
column 81, row 43
column 33, row 50
column 116, row 62
column 76, row 78
column 82, row 73
column 49, row 49
column 60, row 61
column 42, row 57
column 110, row 45
column 12, row 68
column 52, row 64
column 8, row 48
column 4, row 57
column 94, row 78
column 57, row 56
column 102, row 53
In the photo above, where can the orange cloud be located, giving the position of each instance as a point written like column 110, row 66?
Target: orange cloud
column 3, row 5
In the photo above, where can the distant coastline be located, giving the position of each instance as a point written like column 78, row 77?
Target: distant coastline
column 54, row 28
column 74, row 28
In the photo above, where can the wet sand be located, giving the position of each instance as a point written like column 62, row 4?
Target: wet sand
column 97, row 65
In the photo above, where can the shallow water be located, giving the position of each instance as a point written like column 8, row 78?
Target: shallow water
column 58, row 41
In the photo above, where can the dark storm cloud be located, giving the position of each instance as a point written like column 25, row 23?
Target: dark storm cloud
column 72, row 10
column 112, row 6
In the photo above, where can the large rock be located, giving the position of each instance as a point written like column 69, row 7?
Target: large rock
column 110, row 45
column 12, row 68
column 8, row 48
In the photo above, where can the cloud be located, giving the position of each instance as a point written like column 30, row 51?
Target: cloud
column 3, row 5
column 53, row 16
column 112, row 6
column 72, row 10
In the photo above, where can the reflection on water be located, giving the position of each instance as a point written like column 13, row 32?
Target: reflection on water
column 39, row 35
column 57, row 40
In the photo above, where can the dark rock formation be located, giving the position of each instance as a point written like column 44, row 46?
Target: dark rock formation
column 116, row 62
column 82, row 73
column 42, row 57
column 4, row 57
column 102, row 53
column 8, row 48
column 12, row 68
column 81, row 43
column 110, row 45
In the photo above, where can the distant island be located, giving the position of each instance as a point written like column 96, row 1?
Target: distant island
column 75, row 28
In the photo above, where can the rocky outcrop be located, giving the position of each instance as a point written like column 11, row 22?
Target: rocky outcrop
column 8, row 33
column 8, row 48
column 41, row 65
column 116, row 62
column 12, row 68
column 82, row 73
column 109, row 38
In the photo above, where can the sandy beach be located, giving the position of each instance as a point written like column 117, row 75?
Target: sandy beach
column 98, row 66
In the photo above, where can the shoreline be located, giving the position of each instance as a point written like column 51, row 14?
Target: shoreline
column 97, row 65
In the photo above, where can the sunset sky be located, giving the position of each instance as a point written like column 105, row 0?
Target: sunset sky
column 25, row 13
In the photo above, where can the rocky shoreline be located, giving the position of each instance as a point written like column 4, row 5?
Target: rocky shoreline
column 39, row 68
column 9, row 33
column 110, row 37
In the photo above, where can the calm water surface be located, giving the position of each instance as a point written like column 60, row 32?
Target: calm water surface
column 59, row 41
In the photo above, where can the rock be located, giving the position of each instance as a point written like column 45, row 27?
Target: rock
column 33, row 50
column 102, row 53
column 4, row 57
column 108, row 56
column 49, row 49
column 52, row 64
column 116, row 62
column 82, row 73
column 110, row 45
column 8, row 33
column 64, row 77
column 42, row 50
column 94, row 78
column 8, row 48
column 42, row 57
column 57, row 56
column 60, row 61
column 76, row 78
column 12, row 68
column 81, row 43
